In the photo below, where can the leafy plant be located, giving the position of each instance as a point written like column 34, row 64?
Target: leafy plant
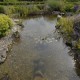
column 69, row 7
column 5, row 25
column 66, row 25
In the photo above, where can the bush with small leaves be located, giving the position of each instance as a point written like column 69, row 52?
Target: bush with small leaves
column 5, row 25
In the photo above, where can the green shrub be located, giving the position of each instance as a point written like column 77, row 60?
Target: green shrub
column 69, row 7
column 5, row 25
column 66, row 25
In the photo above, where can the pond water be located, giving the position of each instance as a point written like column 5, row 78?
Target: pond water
column 39, row 54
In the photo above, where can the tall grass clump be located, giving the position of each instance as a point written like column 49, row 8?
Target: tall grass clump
column 66, row 26
column 22, row 11
column 33, row 9
column 9, row 10
column 19, row 11
column 5, row 25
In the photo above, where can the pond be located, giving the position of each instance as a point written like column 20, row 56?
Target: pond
column 39, row 54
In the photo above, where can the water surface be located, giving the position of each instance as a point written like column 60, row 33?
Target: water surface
column 39, row 54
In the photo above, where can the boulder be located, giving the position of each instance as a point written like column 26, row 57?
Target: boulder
column 3, row 56
column 16, row 35
column 59, row 17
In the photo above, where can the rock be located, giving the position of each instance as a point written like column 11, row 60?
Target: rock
column 56, row 12
column 62, row 14
column 57, row 27
column 69, row 14
column 76, row 8
column 7, row 49
column 6, row 43
column 14, row 29
column 3, row 56
column 74, row 43
column 59, row 17
column 16, row 20
column 44, row 38
column 21, row 25
column 16, row 35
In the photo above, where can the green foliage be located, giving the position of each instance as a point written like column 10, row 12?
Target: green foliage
column 21, row 10
column 62, row 5
column 66, row 25
column 5, row 25
column 2, row 9
column 33, row 9
column 54, row 5
column 9, row 10
column 69, row 7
